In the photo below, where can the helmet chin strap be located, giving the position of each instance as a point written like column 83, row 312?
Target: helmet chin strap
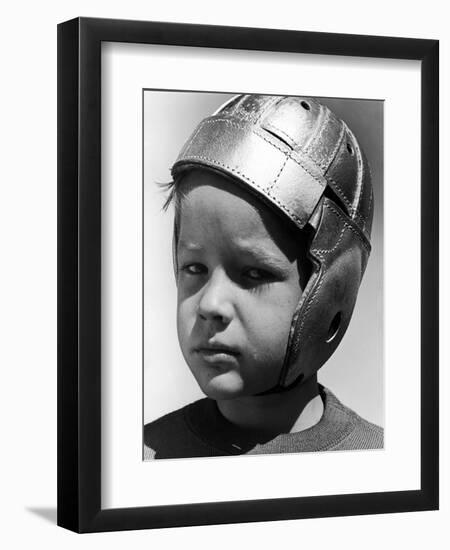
column 282, row 389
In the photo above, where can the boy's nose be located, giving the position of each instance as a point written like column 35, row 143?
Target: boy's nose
column 215, row 302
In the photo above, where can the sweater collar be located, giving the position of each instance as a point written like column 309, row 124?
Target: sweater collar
column 206, row 421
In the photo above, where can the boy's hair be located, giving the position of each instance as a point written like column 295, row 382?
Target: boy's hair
column 303, row 162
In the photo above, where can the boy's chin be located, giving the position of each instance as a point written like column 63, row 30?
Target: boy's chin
column 223, row 387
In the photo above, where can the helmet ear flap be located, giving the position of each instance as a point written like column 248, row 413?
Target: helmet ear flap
column 339, row 254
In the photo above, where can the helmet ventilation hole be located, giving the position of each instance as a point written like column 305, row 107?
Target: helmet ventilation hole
column 334, row 327
column 305, row 105
column 350, row 149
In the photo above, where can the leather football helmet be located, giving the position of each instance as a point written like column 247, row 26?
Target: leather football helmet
column 306, row 164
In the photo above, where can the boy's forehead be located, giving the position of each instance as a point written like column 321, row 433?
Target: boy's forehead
column 203, row 183
column 213, row 206
column 206, row 188
column 221, row 200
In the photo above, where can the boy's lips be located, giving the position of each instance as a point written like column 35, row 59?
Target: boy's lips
column 216, row 349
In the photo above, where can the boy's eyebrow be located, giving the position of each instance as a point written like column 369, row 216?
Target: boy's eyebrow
column 251, row 249
column 262, row 254
column 193, row 247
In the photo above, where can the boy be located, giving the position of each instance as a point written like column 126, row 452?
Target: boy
column 273, row 213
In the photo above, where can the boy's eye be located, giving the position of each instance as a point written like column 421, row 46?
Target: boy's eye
column 256, row 274
column 194, row 269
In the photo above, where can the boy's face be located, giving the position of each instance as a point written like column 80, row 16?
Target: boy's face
column 239, row 281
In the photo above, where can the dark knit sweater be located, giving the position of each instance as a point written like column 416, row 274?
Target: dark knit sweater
column 199, row 429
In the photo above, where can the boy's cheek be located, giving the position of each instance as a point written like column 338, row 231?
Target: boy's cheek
column 185, row 310
column 185, row 322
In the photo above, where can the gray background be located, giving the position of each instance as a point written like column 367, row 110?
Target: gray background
column 355, row 371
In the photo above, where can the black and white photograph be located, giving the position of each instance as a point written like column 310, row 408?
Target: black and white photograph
column 263, row 314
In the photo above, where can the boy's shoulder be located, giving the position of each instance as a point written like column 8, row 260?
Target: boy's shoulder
column 360, row 434
column 171, row 436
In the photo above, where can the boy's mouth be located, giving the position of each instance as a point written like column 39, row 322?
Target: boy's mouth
column 216, row 351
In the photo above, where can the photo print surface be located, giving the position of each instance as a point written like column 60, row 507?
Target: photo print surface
column 263, row 274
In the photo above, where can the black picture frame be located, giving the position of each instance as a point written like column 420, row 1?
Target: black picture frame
column 79, row 274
